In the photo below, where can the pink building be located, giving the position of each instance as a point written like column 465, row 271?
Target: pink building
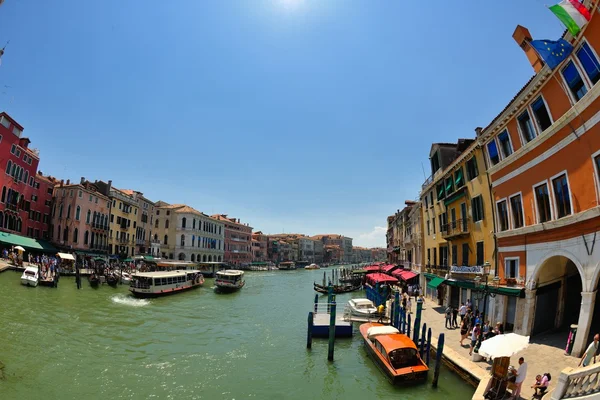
column 259, row 247
column 238, row 240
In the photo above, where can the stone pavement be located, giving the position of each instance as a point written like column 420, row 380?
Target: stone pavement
column 544, row 353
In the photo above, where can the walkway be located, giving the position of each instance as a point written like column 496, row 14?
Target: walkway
column 541, row 356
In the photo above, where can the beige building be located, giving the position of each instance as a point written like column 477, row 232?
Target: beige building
column 187, row 234
column 145, row 223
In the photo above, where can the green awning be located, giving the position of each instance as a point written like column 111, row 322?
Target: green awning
column 449, row 185
column 454, row 197
column 99, row 259
column 429, row 276
column 27, row 243
column 440, row 192
column 258, row 263
column 128, row 260
column 435, row 282
column 461, row 284
column 515, row 292
column 458, row 178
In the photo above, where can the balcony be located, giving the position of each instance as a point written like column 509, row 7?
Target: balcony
column 99, row 226
column 455, row 229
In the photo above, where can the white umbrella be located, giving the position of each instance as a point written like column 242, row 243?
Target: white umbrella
column 503, row 345
column 19, row 248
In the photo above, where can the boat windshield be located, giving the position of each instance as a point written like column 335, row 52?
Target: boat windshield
column 402, row 358
column 30, row 273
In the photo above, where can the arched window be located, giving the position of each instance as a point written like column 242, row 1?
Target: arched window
column 86, row 236
column 1, row 219
column 204, row 258
column 88, row 216
column 21, row 174
column 155, row 237
column 3, row 193
column 156, row 223
column 18, row 228
column 13, row 171
column 183, row 222
column 69, row 211
column 219, row 259
column 166, row 224
column 209, row 258
column 193, row 258
column 95, row 217
column 166, row 241
column 58, row 233
column 182, row 240
column 193, row 238
column 60, row 208
column 181, row 257
column 194, row 223
column 75, row 235
column 26, row 176
column 8, row 167
column 66, row 234
column 77, row 213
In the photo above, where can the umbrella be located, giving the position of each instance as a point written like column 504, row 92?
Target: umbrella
column 503, row 345
column 19, row 248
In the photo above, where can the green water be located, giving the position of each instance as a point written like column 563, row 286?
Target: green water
column 103, row 344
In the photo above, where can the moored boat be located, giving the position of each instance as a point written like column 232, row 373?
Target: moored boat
column 287, row 266
column 155, row 284
column 229, row 280
column 362, row 308
column 94, row 280
column 337, row 289
column 312, row 266
column 112, row 279
column 394, row 353
column 125, row 278
column 30, row 277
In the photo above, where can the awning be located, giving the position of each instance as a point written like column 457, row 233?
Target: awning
column 28, row 243
column 405, row 275
column 380, row 278
column 440, row 191
column 458, row 178
column 373, row 268
column 66, row 256
column 435, row 282
column 449, row 185
column 429, row 276
column 388, row 268
column 506, row 291
column 461, row 284
column 128, row 260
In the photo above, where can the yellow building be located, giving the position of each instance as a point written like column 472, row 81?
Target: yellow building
column 123, row 223
column 458, row 224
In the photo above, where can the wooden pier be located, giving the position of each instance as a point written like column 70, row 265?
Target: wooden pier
column 320, row 327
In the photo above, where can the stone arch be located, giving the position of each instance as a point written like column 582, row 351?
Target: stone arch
column 559, row 253
column 193, row 258
column 181, row 256
column 209, row 258
column 204, row 258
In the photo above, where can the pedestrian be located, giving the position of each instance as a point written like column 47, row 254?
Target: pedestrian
column 449, row 316
column 521, row 374
column 462, row 311
column 474, row 336
column 541, row 383
column 590, row 352
column 468, row 303
column 464, row 330
column 380, row 311
column 454, row 315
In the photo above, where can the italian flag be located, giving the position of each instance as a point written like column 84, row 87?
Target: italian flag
column 573, row 14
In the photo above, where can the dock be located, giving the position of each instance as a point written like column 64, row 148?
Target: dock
column 320, row 326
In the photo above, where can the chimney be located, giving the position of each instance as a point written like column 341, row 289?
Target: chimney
column 478, row 131
column 109, row 185
column 82, row 180
column 68, row 182
column 62, row 182
column 523, row 37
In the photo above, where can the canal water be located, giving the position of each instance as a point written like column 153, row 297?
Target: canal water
column 103, row 344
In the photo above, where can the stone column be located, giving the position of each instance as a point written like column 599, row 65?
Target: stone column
column 528, row 313
column 586, row 313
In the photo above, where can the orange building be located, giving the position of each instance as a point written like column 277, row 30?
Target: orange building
column 543, row 159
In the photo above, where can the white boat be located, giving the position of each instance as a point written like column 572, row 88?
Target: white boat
column 362, row 307
column 312, row 266
column 30, row 277
column 125, row 278
column 229, row 280
column 154, row 284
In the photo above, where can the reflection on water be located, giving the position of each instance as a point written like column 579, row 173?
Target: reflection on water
column 104, row 344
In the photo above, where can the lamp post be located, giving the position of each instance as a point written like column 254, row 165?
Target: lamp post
column 483, row 289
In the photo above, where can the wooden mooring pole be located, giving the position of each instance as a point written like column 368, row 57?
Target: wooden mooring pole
column 396, row 309
column 423, row 332
column 408, row 325
column 331, row 330
column 316, row 302
column 438, row 360
column 311, row 320
column 428, row 351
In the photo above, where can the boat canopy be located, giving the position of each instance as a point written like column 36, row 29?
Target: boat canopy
column 66, row 256
column 381, row 330
column 230, row 272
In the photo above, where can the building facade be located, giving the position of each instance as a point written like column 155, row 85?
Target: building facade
column 187, row 234
column 39, row 221
column 238, row 240
column 543, row 153
column 259, row 247
column 341, row 255
column 80, row 218
column 144, row 223
column 413, row 237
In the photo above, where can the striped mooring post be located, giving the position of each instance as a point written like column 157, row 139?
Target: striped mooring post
column 438, row 360
column 331, row 330
column 311, row 320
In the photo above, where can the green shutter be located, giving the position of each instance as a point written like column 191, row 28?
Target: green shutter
column 459, row 178
column 440, row 193
column 449, row 186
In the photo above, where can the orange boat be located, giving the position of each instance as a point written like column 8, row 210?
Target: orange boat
column 394, row 353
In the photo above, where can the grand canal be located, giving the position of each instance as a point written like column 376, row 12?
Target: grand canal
column 103, row 344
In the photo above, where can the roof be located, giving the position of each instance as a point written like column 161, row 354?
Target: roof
column 395, row 341
column 127, row 191
column 164, row 274
column 381, row 330
column 230, row 272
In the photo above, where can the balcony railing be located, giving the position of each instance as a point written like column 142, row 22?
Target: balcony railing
column 577, row 382
column 440, row 270
column 99, row 226
column 456, row 228
column 427, row 182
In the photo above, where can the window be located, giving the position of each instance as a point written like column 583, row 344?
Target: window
column 60, row 210
column 435, row 163
column 454, row 255
column 166, row 241
column 26, row 176
column 3, row 194
column 80, row 194
column 492, row 149
column 505, row 145
column 511, row 268
column 574, row 81
column 502, row 215
column 465, row 254
column 182, row 240
column 449, row 185
column 542, row 199
column 69, row 211
column 541, row 114
column 516, row 209
column 562, row 195
column 166, row 224
column 13, row 149
column 8, row 167
column 5, row 122
column 77, row 213
column 472, row 170
column 75, row 235
column 480, row 254
column 183, row 222
column 459, row 179
column 589, row 62
column 526, row 126
column 431, row 199
column 477, row 208
column 440, row 191
column 433, row 224
column 428, row 223
column 426, row 205
column 156, row 224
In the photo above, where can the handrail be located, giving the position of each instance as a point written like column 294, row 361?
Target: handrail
column 577, row 382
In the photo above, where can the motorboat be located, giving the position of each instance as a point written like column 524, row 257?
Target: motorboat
column 155, row 284
column 229, row 280
column 312, row 266
column 30, row 277
column 287, row 266
column 362, row 308
column 394, row 353
column 125, row 278
column 336, row 289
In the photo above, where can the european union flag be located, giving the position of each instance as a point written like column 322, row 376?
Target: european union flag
column 553, row 52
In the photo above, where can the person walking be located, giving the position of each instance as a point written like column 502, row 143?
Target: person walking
column 474, row 337
column 448, row 317
column 464, row 330
column 454, row 315
column 521, row 374
column 380, row 311
column 590, row 352
column 462, row 311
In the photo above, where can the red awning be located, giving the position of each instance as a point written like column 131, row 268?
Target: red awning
column 405, row 275
column 380, row 278
column 388, row 268
column 372, row 268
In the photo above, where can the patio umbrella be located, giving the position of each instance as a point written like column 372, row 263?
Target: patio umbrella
column 503, row 345
column 19, row 248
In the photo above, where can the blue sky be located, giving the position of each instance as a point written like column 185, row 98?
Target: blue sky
column 309, row 116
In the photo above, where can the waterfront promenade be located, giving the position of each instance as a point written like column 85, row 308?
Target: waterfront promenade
column 544, row 354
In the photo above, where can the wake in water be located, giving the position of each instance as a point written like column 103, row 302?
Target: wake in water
column 129, row 301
